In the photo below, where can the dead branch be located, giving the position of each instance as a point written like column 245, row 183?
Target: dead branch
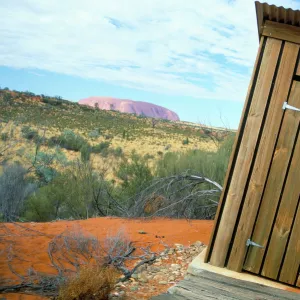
column 185, row 195
column 71, row 250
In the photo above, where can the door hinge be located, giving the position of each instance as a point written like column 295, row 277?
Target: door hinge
column 287, row 106
column 250, row 243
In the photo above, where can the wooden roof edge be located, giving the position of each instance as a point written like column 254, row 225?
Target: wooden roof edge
column 274, row 13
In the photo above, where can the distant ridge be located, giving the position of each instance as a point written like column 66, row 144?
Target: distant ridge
column 130, row 106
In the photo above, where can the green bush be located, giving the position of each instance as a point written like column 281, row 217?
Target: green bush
column 135, row 174
column 85, row 152
column 209, row 164
column 70, row 140
column 29, row 133
column 118, row 152
column 4, row 136
column 100, row 148
column 77, row 193
column 94, row 133
column 185, row 141
column 48, row 203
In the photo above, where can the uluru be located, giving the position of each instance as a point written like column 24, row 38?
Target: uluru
column 130, row 106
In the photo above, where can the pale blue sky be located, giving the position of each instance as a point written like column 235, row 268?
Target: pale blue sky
column 192, row 56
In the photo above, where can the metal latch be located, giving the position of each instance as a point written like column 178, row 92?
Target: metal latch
column 250, row 243
column 287, row 106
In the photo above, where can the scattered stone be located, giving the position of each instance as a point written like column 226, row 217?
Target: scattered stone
column 159, row 277
column 169, row 268
column 142, row 277
column 198, row 244
column 175, row 267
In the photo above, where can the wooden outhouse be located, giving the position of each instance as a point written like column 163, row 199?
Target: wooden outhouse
column 257, row 226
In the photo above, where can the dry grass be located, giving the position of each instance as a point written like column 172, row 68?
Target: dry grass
column 91, row 283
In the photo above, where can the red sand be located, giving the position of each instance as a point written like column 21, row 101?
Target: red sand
column 32, row 247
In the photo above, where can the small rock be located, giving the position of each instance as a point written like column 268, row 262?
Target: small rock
column 198, row 244
column 179, row 246
column 171, row 278
column 142, row 277
column 175, row 267
column 163, row 282
column 171, row 251
column 176, row 273
column 159, row 277
column 134, row 288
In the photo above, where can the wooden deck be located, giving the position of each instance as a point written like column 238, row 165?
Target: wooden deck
column 208, row 285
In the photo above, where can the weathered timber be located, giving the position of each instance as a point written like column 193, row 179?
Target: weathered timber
column 246, row 151
column 282, row 32
column 271, row 197
column 264, row 156
column 208, row 285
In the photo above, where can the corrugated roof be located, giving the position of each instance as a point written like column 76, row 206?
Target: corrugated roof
column 264, row 12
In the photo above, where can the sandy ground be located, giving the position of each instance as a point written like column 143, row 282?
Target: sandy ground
column 31, row 246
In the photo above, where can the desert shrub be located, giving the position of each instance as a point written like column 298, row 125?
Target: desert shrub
column 70, row 140
column 210, row 164
column 85, row 152
column 92, row 282
column 94, row 133
column 100, row 148
column 167, row 147
column 77, row 193
column 47, row 203
column 14, row 189
column 185, row 141
column 118, row 152
column 43, row 164
column 20, row 152
column 134, row 174
column 148, row 156
column 7, row 98
column 4, row 136
column 29, row 133
column 108, row 136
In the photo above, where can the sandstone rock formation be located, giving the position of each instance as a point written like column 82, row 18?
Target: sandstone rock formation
column 130, row 106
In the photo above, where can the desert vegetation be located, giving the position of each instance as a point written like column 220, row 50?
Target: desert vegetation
column 178, row 184
column 63, row 161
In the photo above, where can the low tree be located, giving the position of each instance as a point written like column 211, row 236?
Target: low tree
column 14, row 189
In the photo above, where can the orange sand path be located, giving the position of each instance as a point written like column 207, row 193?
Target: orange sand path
column 31, row 247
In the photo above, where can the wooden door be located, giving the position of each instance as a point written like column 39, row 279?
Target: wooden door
column 260, row 199
column 277, row 224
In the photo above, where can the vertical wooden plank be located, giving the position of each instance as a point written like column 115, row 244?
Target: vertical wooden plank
column 264, row 156
column 298, row 281
column 284, row 220
column 298, row 69
column 275, row 182
column 289, row 272
column 246, row 151
column 234, row 149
